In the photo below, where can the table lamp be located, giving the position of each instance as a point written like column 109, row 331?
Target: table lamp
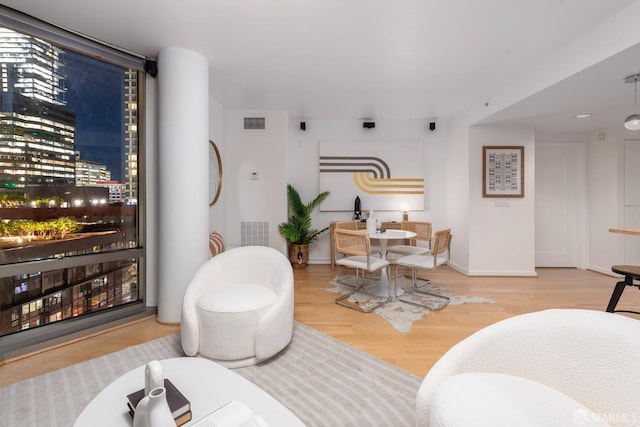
column 405, row 212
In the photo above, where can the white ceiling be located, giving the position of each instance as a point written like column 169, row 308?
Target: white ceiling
column 348, row 59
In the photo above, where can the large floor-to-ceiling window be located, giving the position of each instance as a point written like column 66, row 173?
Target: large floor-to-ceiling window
column 71, row 241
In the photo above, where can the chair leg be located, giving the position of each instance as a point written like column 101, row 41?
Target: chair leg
column 359, row 286
column 617, row 293
column 423, row 282
column 443, row 304
column 343, row 279
column 615, row 296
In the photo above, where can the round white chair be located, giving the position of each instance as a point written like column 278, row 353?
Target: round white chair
column 554, row 367
column 238, row 308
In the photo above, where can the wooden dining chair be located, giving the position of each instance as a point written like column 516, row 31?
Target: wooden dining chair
column 350, row 225
column 353, row 225
column 419, row 245
column 355, row 245
column 439, row 255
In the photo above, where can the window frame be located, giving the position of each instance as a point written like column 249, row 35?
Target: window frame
column 26, row 340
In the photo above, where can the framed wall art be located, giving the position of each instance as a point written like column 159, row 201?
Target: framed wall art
column 385, row 175
column 502, row 171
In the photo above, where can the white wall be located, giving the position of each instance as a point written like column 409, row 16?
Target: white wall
column 457, row 192
column 603, row 192
column 261, row 151
column 488, row 240
column 303, row 168
column 501, row 239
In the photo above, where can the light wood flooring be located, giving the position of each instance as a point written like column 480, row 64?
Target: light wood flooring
column 415, row 351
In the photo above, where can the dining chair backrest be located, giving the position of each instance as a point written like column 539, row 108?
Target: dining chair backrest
column 442, row 242
column 352, row 242
column 421, row 228
column 346, row 225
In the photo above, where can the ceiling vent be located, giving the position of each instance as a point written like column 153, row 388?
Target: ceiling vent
column 254, row 123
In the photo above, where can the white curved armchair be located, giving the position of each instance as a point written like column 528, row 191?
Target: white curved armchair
column 238, row 308
column 534, row 364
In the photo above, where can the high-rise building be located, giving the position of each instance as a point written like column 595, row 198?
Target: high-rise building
column 37, row 132
column 131, row 136
column 117, row 190
column 89, row 173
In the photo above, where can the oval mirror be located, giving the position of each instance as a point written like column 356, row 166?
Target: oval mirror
column 215, row 173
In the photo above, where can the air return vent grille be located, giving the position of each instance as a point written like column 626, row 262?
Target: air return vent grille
column 254, row 233
column 254, row 123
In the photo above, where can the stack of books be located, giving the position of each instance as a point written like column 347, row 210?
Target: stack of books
column 179, row 405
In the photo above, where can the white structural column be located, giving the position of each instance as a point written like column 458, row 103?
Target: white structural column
column 183, row 174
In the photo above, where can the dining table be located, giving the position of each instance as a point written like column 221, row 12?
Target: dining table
column 381, row 288
column 630, row 231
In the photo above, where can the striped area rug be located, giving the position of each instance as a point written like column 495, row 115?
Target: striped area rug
column 322, row 380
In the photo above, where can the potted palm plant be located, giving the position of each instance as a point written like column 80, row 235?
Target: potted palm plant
column 297, row 230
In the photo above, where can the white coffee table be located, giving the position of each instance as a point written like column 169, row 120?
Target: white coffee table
column 206, row 384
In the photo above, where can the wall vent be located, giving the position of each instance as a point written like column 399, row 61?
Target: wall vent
column 254, row 233
column 254, row 123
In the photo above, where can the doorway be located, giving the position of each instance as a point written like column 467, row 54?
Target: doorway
column 560, row 198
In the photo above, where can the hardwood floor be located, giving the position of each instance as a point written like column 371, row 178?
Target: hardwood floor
column 415, row 351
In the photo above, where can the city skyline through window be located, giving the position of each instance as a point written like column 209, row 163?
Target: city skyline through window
column 70, row 240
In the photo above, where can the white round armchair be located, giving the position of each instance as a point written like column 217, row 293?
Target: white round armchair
column 238, row 308
column 554, row 367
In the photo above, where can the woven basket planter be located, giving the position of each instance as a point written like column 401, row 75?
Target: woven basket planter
column 299, row 255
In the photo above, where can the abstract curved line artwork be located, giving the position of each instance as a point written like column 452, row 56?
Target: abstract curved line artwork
column 342, row 164
column 386, row 175
column 371, row 185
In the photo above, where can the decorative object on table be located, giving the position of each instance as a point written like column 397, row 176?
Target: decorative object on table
column 153, row 376
column 179, row 405
column 297, row 230
column 371, row 223
column 502, row 171
column 579, row 365
column 238, row 308
column 401, row 316
column 357, row 213
column 405, row 212
column 153, row 410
